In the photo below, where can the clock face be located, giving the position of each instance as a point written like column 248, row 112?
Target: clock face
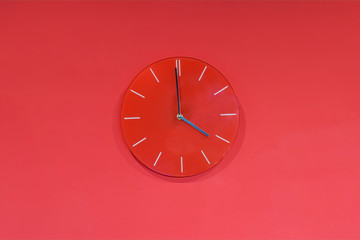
column 180, row 116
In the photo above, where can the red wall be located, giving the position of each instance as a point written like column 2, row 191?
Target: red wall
column 65, row 171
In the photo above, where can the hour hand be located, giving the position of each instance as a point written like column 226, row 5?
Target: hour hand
column 193, row 125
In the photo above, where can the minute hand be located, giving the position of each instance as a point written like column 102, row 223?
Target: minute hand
column 177, row 92
column 193, row 125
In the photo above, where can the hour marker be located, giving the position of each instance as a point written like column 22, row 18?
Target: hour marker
column 157, row 159
column 222, row 138
column 137, row 93
column 179, row 68
column 202, row 73
column 139, row 141
column 128, row 118
column 181, row 164
column 205, row 156
column 154, row 75
column 221, row 90
column 227, row 114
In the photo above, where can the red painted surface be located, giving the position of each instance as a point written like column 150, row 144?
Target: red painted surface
column 158, row 139
column 65, row 170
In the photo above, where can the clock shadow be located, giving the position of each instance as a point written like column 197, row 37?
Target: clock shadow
column 137, row 165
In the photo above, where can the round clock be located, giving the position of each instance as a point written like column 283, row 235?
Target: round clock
column 180, row 116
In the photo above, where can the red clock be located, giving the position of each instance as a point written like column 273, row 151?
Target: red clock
column 180, row 116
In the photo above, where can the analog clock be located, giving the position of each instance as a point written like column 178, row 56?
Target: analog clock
column 180, row 116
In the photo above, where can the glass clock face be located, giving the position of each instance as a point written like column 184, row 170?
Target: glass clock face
column 180, row 116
